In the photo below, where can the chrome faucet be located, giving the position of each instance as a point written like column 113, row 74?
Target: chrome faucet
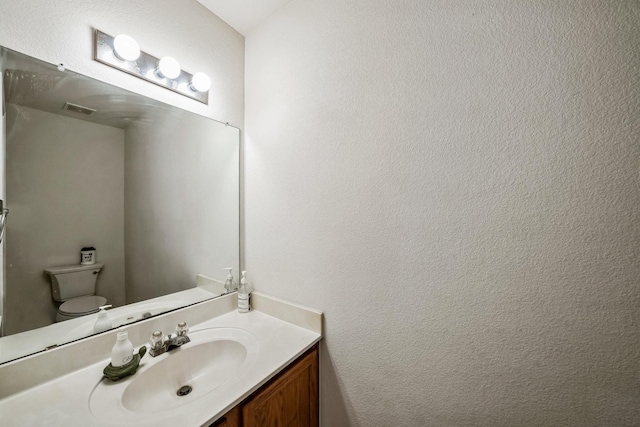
column 159, row 344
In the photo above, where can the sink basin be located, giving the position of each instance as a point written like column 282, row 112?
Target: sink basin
column 212, row 360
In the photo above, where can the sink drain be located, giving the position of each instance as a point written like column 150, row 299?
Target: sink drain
column 184, row 390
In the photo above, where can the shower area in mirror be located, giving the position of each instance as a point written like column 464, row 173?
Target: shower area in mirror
column 2, row 187
column 153, row 188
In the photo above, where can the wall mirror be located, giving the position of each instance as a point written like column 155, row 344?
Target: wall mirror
column 153, row 188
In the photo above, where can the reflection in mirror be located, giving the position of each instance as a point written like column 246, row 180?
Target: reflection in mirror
column 153, row 188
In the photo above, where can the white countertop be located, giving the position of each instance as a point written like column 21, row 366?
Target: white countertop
column 64, row 401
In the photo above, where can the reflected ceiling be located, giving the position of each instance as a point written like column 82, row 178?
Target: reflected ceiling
column 41, row 86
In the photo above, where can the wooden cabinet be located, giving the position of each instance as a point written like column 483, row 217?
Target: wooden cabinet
column 290, row 399
column 230, row 419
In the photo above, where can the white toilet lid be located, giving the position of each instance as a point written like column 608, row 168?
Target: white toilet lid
column 82, row 305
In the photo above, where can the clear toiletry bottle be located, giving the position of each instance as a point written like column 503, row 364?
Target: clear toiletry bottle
column 230, row 284
column 103, row 323
column 244, row 304
column 122, row 352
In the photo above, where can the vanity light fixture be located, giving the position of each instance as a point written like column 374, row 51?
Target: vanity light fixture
column 168, row 68
column 200, row 82
column 125, row 48
column 123, row 53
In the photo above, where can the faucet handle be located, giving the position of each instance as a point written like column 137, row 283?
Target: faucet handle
column 182, row 329
column 156, row 340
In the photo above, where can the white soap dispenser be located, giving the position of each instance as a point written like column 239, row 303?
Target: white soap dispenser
column 243, row 295
column 230, row 284
column 103, row 323
column 122, row 352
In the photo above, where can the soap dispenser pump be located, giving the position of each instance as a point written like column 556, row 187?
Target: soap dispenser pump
column 230, row 284
column 122, row 352
column 243, row 295
column 103, row 323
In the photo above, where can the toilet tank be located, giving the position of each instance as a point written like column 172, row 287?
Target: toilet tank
column 70, row 281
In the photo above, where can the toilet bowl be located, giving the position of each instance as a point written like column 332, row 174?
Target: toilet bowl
column 74, row 286
column 80, row 306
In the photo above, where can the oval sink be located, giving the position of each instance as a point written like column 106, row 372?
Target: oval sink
column 213, row 358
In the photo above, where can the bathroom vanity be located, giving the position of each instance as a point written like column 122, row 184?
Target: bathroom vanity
column 254, row 369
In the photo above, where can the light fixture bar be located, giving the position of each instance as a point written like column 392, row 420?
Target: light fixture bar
column 145, row 67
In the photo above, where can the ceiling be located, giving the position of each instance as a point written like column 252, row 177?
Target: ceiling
column 244, row 15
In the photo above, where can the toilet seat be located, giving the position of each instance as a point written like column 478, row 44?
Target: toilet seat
column 81, row 306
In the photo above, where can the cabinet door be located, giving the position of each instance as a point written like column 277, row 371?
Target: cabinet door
column 230, row 419
column 290, row 400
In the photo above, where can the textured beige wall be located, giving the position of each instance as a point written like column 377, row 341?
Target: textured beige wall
column 455, row 183
column 53, row 162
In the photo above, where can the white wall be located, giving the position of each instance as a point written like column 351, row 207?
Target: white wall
column 55, row 161
column 456, row 185
column 62, row 32
column 181, row 203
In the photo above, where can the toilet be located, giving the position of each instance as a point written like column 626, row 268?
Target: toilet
column 75, row 287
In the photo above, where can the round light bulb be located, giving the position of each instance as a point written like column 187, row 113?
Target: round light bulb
column 169, row 68
column 126, row 48
column 200, row 82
